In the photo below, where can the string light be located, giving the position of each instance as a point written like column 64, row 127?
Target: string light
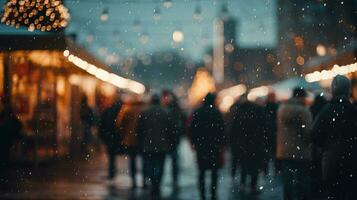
column 229, row 96
column 224, row 11
column 258, row 92
column 104, row 75
column 197, row 14
column 168, row 4
column 177, row 36
column 136, row 25
column 330, row 74
column 144, row 38
column 321, row 50
column 105, row 15
column 44, row 15
column 156, row 14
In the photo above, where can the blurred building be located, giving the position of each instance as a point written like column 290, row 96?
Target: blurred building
column 251, row 66
column 308, row 29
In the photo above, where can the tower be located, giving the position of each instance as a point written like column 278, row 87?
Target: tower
column 224, row 46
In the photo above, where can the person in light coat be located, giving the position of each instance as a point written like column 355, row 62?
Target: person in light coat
column 294, row 149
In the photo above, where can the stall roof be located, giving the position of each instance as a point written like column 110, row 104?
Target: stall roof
column 32, row 42
column 65, row 46
column 55, row 42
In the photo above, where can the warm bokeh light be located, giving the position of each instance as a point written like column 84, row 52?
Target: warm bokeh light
column 177, row 36
column 229, row 48
column 300, row 60
column 104, row 75
column 104, row 16
column 42, row 15
column 330, row 74
column 66, row 53
column 258, row 92
column 229, row 95
column 202, row 84
column 321, row 50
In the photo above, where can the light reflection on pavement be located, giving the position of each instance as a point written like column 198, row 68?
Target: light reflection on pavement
column 86, row 180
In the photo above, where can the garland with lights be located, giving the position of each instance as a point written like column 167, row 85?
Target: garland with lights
column 44, row 15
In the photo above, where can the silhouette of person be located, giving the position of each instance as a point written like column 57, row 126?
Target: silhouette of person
column 109, row 133
column 207, row 136
column 169, row 100
column 10, row 127
column 334, row 131
column 88, row 119
column 154, row 139
column 248, row 137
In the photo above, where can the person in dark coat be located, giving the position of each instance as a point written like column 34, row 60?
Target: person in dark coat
column 316, row 178
column 234, row 139
column 87, row 118
column 154, row 133
column 207, row 135
column 169, row 100
column 318, row 105
column 110, row 135
column 10, row 127
column 247, row 135
column 334, row 131
column 271, row 109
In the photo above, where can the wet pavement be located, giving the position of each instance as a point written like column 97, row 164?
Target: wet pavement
column 86, row 179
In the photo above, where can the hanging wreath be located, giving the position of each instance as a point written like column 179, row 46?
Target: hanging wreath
column 44, row 15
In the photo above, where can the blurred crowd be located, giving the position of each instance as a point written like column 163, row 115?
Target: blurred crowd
column 313, row 148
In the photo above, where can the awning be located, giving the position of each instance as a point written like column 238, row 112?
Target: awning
column 52, row 42
column 57, row 50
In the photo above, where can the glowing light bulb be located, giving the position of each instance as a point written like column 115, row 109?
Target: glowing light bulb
column 66, row 53
column 156, row 14
column 177, row 36
column 197, row 15
column 168, row 4
column 321, row 50
column 105, row 15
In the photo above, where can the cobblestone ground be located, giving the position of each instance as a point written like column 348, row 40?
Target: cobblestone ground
column 86, row 179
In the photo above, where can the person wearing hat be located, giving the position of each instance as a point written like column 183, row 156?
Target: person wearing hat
column 335, row 132
column 294, row 145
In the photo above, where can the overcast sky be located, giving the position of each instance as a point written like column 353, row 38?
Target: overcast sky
column 256, row 19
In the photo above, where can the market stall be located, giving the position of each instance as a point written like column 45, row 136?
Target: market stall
column 44, row 86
